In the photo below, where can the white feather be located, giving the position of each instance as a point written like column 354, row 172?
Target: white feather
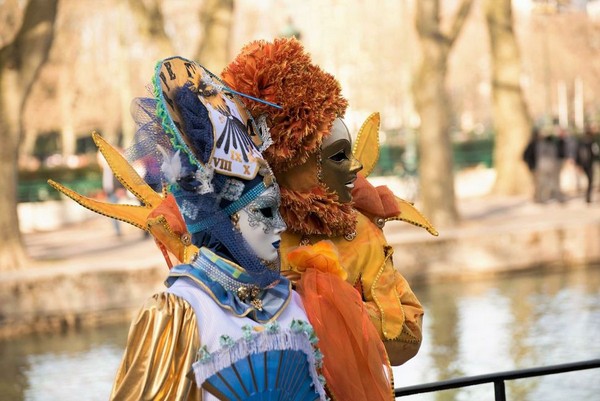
column 171, row 166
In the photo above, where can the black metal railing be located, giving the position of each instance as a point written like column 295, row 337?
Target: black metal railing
column 497, row 378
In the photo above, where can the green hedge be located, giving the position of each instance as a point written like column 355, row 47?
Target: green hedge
column 33, row 185
column 472, row 153
column 466, row 154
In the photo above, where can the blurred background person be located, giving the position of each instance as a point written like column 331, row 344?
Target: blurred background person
column 588, row 152
column 530, row 159
column 112, row 188
column 549, row 150
column 567, row 150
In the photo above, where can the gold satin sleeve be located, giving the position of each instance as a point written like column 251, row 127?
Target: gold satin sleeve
column 392, row 306
column 395, row 307
column 161, row 346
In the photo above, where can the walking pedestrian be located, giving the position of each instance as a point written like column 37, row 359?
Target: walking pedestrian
column 112, row 188
column 588, row 152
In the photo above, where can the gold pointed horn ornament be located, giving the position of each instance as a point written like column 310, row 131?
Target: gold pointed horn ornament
column 366, row 150
column 132, row 214
column 410, row 214
column 157, row 214
column 366, row 147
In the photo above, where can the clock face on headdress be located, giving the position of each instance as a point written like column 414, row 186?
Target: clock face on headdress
column 235, row 144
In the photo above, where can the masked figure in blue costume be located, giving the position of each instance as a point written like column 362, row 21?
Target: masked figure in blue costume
column 228, row 326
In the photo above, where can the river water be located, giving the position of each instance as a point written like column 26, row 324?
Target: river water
column 471, row 328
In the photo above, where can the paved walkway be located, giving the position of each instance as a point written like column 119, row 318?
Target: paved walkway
column 94, row 244
column 519, row 213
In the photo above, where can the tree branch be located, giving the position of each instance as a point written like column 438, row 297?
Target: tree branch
column 459, row 20
column 151, row 23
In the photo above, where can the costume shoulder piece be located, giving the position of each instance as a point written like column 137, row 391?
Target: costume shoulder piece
column 380, row 203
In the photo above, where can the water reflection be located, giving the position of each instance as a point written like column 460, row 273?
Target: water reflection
column 69, row 367
column 510, row 323
column 470, row 329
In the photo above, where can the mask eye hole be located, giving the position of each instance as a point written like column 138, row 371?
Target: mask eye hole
column 339, row 156
column 266, row 212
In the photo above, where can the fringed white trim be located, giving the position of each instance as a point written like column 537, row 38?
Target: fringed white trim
column 263, row 132
column 258, row 344
column 204, row 175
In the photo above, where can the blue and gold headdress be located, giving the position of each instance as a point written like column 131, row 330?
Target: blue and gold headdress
column 207, row 149
column 212, row 163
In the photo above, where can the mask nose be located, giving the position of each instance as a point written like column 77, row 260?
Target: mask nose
column 279, row 225
column 355, row 165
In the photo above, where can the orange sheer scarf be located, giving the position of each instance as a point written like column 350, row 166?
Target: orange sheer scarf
column 355, row 362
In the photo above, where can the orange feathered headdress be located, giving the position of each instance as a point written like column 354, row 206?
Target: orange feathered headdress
column 281, row 72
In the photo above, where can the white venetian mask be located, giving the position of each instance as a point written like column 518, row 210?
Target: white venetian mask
column 261, row 224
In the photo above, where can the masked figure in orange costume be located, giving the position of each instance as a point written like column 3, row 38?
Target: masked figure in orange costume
column 325, row 194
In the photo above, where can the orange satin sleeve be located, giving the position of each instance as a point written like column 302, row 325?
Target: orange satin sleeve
column 161, row 346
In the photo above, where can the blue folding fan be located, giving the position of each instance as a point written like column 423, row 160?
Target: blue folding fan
column 265, row 367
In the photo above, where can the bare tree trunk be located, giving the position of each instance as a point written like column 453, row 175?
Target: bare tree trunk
column 216, row 18
column 511, row 118
column 151, row 28
column 20, row 63
column 65, row 101
column 124, row 88
column 27, row 146
column 433, row 105
column 151, row 25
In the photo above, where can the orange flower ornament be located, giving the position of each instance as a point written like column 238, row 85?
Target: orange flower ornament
column 322, row 256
